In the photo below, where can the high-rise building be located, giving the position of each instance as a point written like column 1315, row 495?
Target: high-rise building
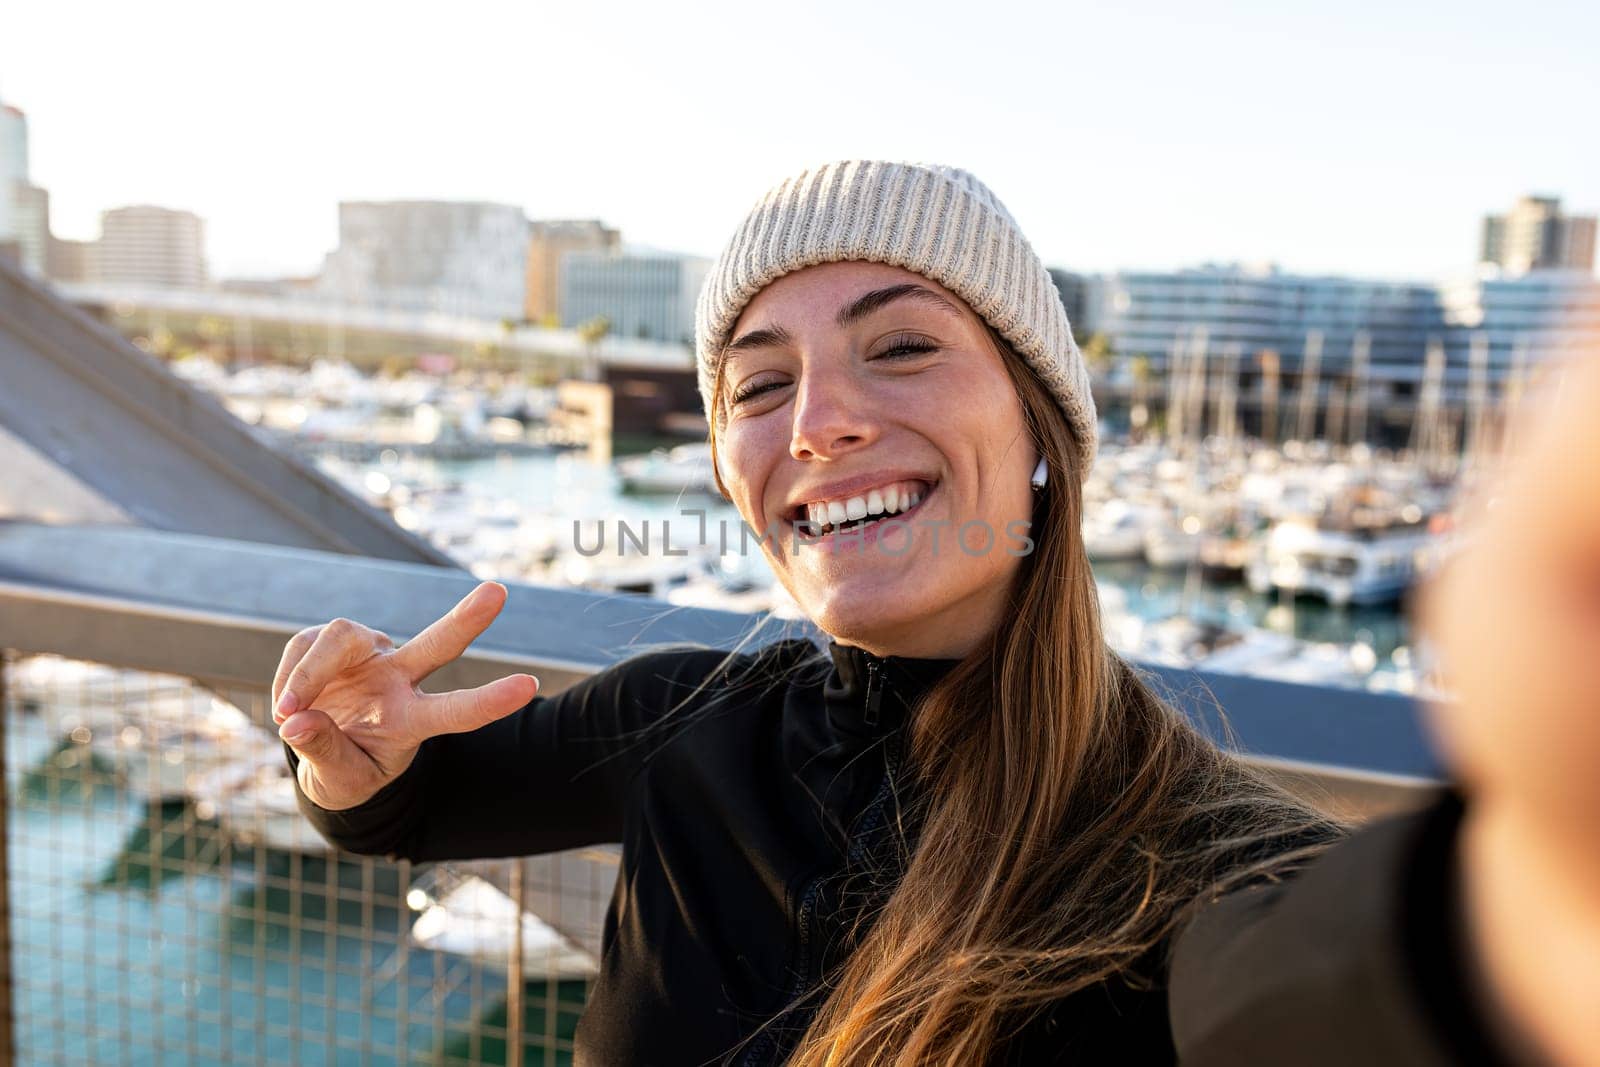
column 1252, row 310
column 1536, row 235
column 13, row 172
column 644, row 296
column 1523, row 318
column 154, row 246
column 30, row 222
column 548, row 241
column 1504, row 320
column 71, row 261
column 450, row 257
column 1073, row 290
column 24, row 207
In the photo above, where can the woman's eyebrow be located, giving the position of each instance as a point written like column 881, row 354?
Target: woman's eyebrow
column 857, row 309
column 867, row 303
column 767, row 335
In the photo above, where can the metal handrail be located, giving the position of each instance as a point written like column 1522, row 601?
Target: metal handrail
column 220, row 611
column 160, row 450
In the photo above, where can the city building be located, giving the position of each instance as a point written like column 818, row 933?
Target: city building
column 151, row 246
column 30, row 226
column 1519, row 319
column 466, row 259
column 71, row 261
column 548, row 241
column 1074, row 291
column 1536, row 235
column 13, row 173
column 24, row 207
column 1251, row 310
column 646, row 296
column 1490, row 329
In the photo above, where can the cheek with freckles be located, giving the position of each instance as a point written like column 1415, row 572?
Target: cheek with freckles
column 746, row 465
column 986, row 437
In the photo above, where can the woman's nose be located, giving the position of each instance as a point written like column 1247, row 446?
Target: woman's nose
column 831, row 415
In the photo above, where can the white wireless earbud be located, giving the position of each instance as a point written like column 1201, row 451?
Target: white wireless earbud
column 1041, row 474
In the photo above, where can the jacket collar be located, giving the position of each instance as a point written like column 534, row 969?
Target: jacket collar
column 867, row 694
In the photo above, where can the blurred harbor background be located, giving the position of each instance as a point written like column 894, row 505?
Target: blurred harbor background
column 208, row 443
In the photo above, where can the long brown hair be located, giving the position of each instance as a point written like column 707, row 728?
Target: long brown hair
column 1069, row 817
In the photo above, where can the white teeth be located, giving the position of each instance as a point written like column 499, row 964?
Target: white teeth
column 887, row 500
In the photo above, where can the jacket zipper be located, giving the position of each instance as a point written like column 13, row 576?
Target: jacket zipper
column 874, row 691
column 766, row 1045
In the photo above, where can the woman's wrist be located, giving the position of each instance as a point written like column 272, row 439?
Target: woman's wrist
column 1531, row 917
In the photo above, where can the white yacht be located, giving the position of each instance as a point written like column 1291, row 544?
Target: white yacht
column 1116, row 530
column 254, row 800
column 469, row 917
column 685, row 468
column 1174, row 541
column 1343, row 564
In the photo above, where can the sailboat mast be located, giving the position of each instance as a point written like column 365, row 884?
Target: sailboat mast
column 1477, row 398
column 1310, row 371
column 1360, row 353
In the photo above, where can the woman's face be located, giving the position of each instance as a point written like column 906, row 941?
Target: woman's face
column 854, row 387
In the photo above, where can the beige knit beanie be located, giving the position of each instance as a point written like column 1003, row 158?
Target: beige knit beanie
column 938, row 221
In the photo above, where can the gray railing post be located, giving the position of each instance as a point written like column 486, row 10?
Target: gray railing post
column 515, row 989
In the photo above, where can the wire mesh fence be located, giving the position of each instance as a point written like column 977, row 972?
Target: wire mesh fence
column 168, row 903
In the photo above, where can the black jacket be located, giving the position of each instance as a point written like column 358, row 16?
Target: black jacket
column 741, row 811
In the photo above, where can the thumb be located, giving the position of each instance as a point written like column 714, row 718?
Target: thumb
column 468, row 709
column 317, row 740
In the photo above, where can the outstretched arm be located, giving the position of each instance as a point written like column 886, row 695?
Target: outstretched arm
column 1469, row 932
column 1361, row 958
column 1516, row 615
column 553, row 775
column 382, row 767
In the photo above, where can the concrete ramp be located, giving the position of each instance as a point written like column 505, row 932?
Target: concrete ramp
column 93, row 429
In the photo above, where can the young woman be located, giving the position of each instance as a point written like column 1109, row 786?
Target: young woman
column 965, row 831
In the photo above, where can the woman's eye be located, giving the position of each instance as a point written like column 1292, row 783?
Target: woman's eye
column 752, row 390
column 907, row 347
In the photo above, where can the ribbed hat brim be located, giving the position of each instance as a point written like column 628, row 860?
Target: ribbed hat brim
column 937, row 221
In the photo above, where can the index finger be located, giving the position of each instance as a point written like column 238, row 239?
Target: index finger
column 447, row 637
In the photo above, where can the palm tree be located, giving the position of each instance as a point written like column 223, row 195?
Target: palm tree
column 1139, row 411
column 1097, row 354
column 592, row 333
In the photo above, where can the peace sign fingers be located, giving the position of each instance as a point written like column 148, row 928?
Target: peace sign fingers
column 449, row 636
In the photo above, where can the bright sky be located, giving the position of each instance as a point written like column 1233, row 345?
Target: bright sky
column 1365, row 137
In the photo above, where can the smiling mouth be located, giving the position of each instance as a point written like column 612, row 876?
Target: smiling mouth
column 811, row 530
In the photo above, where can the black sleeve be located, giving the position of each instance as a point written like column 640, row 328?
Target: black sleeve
column 552, row 775
column 1359, row 959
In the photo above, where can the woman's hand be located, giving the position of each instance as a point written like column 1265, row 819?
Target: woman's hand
column 348, row 703
column 1516, row 618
